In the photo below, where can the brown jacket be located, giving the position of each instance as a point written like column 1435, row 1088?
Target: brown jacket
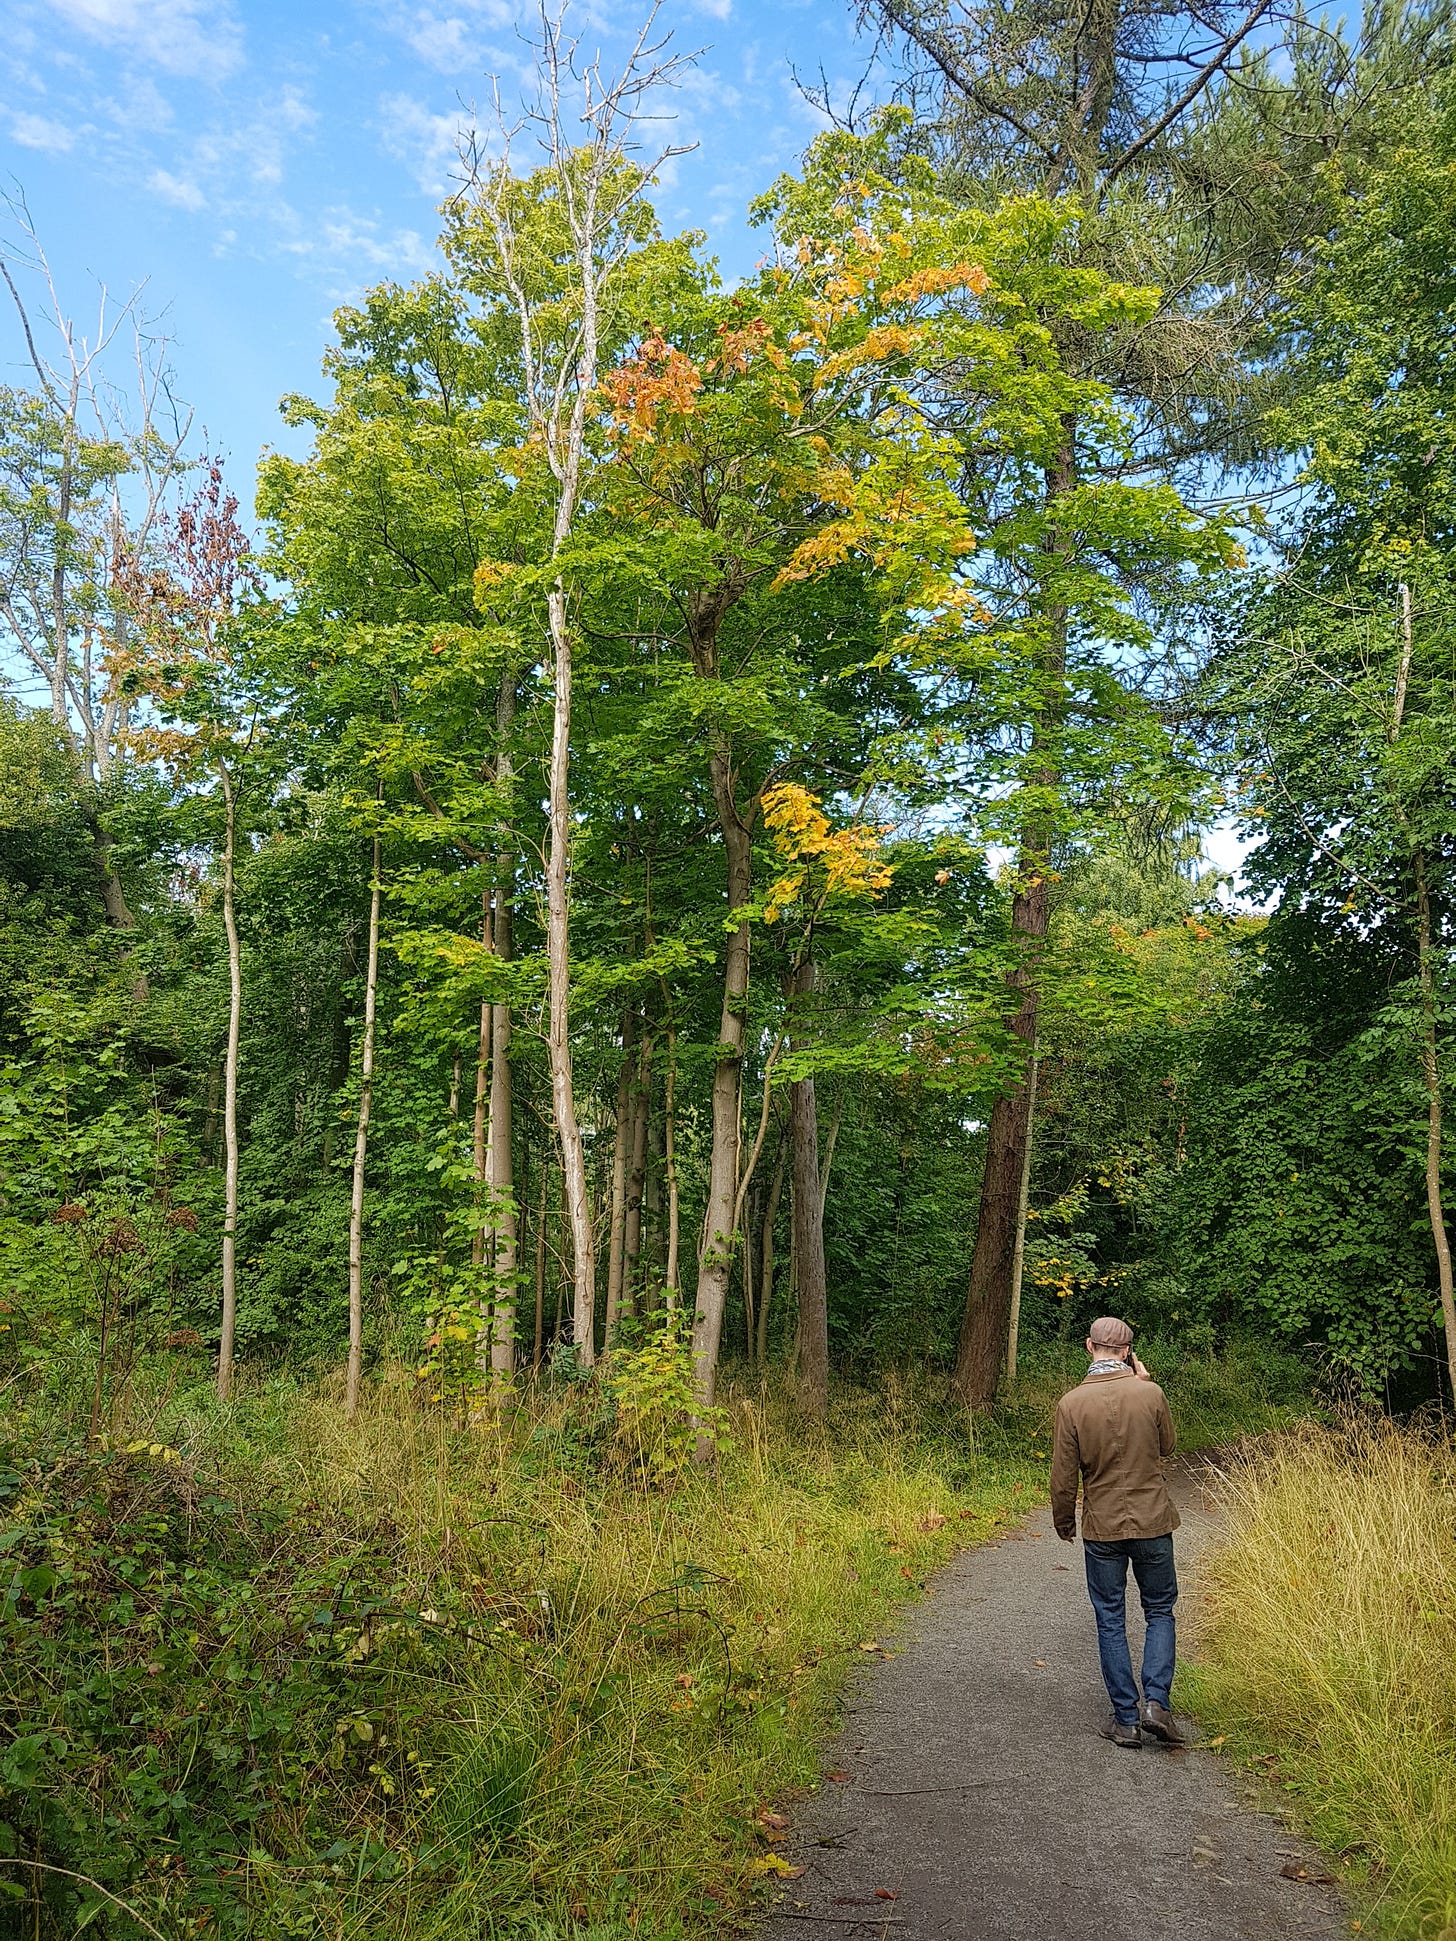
column 1115, row 1432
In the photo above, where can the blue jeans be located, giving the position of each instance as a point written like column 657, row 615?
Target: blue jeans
column 1157, row 1581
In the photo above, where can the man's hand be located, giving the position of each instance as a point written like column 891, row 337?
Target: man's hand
column 1067, row 1536
column 1137, row 1367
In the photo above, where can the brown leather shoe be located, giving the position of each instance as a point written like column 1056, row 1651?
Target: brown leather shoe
column 1158, row 1720
column 1127, row 1736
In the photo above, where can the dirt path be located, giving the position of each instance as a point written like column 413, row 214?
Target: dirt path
column 980, row 1795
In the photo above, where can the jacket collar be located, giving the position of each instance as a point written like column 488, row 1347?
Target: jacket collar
column 1111, row 1374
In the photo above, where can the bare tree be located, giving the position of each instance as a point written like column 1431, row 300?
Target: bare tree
column 595, row 179
column 86, row 468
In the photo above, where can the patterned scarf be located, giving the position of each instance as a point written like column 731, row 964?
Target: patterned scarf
column 1108, row 1367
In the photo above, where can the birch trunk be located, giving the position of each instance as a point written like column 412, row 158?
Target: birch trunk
column 361, row 1150
column 502, row 1182
column 230, row 1093
column 718, row 1233
column 621, row 1141
column 501, row 1169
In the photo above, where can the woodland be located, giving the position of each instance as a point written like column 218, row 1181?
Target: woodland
column 613, row 972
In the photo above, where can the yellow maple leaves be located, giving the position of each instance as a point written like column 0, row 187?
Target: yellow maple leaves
column 822, row 860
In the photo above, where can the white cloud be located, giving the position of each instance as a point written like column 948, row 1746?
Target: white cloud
column 347, row 244
column 139, row 106
column 176, row 189
column 716, row 9
column 427, row 143
column 455, row 39
column 39, row 131
column 194, row 37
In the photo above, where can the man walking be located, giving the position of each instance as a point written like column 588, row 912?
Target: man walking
column 1114, row 1432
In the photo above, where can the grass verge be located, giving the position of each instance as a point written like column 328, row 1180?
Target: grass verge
column 1328, row 1657
column 264, row 1671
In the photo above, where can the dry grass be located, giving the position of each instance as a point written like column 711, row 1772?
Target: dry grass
column 654, row 1665
column 1330, row 1653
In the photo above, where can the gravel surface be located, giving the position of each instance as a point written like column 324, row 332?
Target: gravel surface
column 975, row 1801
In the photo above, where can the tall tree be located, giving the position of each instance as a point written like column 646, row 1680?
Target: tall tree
column 552, row 256
column 1193, row 167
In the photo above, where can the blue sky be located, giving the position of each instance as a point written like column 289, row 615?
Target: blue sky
column 257, row 164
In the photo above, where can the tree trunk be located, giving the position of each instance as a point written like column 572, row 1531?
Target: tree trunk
column 1013, row 1332
column 479, row 1137
column 641, row 1100
column 536, row 1345
column 558, row 978
column 669, row 1162
column 361, row 1149
column 230, row 1095
column 826, row 1164
column 766, row 1266
column 808, row 1216
column 621, row 1144
column 502, row 1162
column 718, row 1235
column 1431, row 1072
column 987, row 1319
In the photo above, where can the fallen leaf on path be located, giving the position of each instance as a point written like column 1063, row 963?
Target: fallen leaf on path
column 886, row 1894
column 1219, row 1740
column 1040, row 1663
column 870, row 1644
column 1061, row 1566
column 1296, row 1870
column 840, row 1779
column 774, row 1863
column 765, row 1817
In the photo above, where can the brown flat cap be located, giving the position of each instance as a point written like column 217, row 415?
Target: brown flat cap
column 1108, row 1332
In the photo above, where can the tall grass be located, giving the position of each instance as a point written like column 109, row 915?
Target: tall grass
column 552, row 1696
column 1329, row 1654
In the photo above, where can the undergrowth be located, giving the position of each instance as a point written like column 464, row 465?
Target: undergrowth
column 522, row 1677
column 1329, row 1660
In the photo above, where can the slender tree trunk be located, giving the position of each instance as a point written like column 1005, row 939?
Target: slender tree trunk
column 766, row 1268
column 480, row 1137
column 1018, row 1258
column 1431, row 1071
column 502, row 1160
column 558, row 978
column 641, row 1102
column 536, row 1345
column 457, row 1072
column 808, row 1205
column 826, row 1163
column 653, row 1238
column 230, row 1094
column 621, row 1144
column 987, row 1319
column 750, row 1256
column 718, row 1236
column 669, row 1162
column 361, row 1150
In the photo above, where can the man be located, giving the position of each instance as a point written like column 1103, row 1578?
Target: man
column 1115, row 1432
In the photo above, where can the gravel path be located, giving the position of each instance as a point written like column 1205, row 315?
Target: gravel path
column 980, row 1796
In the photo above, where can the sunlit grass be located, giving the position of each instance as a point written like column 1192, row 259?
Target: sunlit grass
column 1329, row 1655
